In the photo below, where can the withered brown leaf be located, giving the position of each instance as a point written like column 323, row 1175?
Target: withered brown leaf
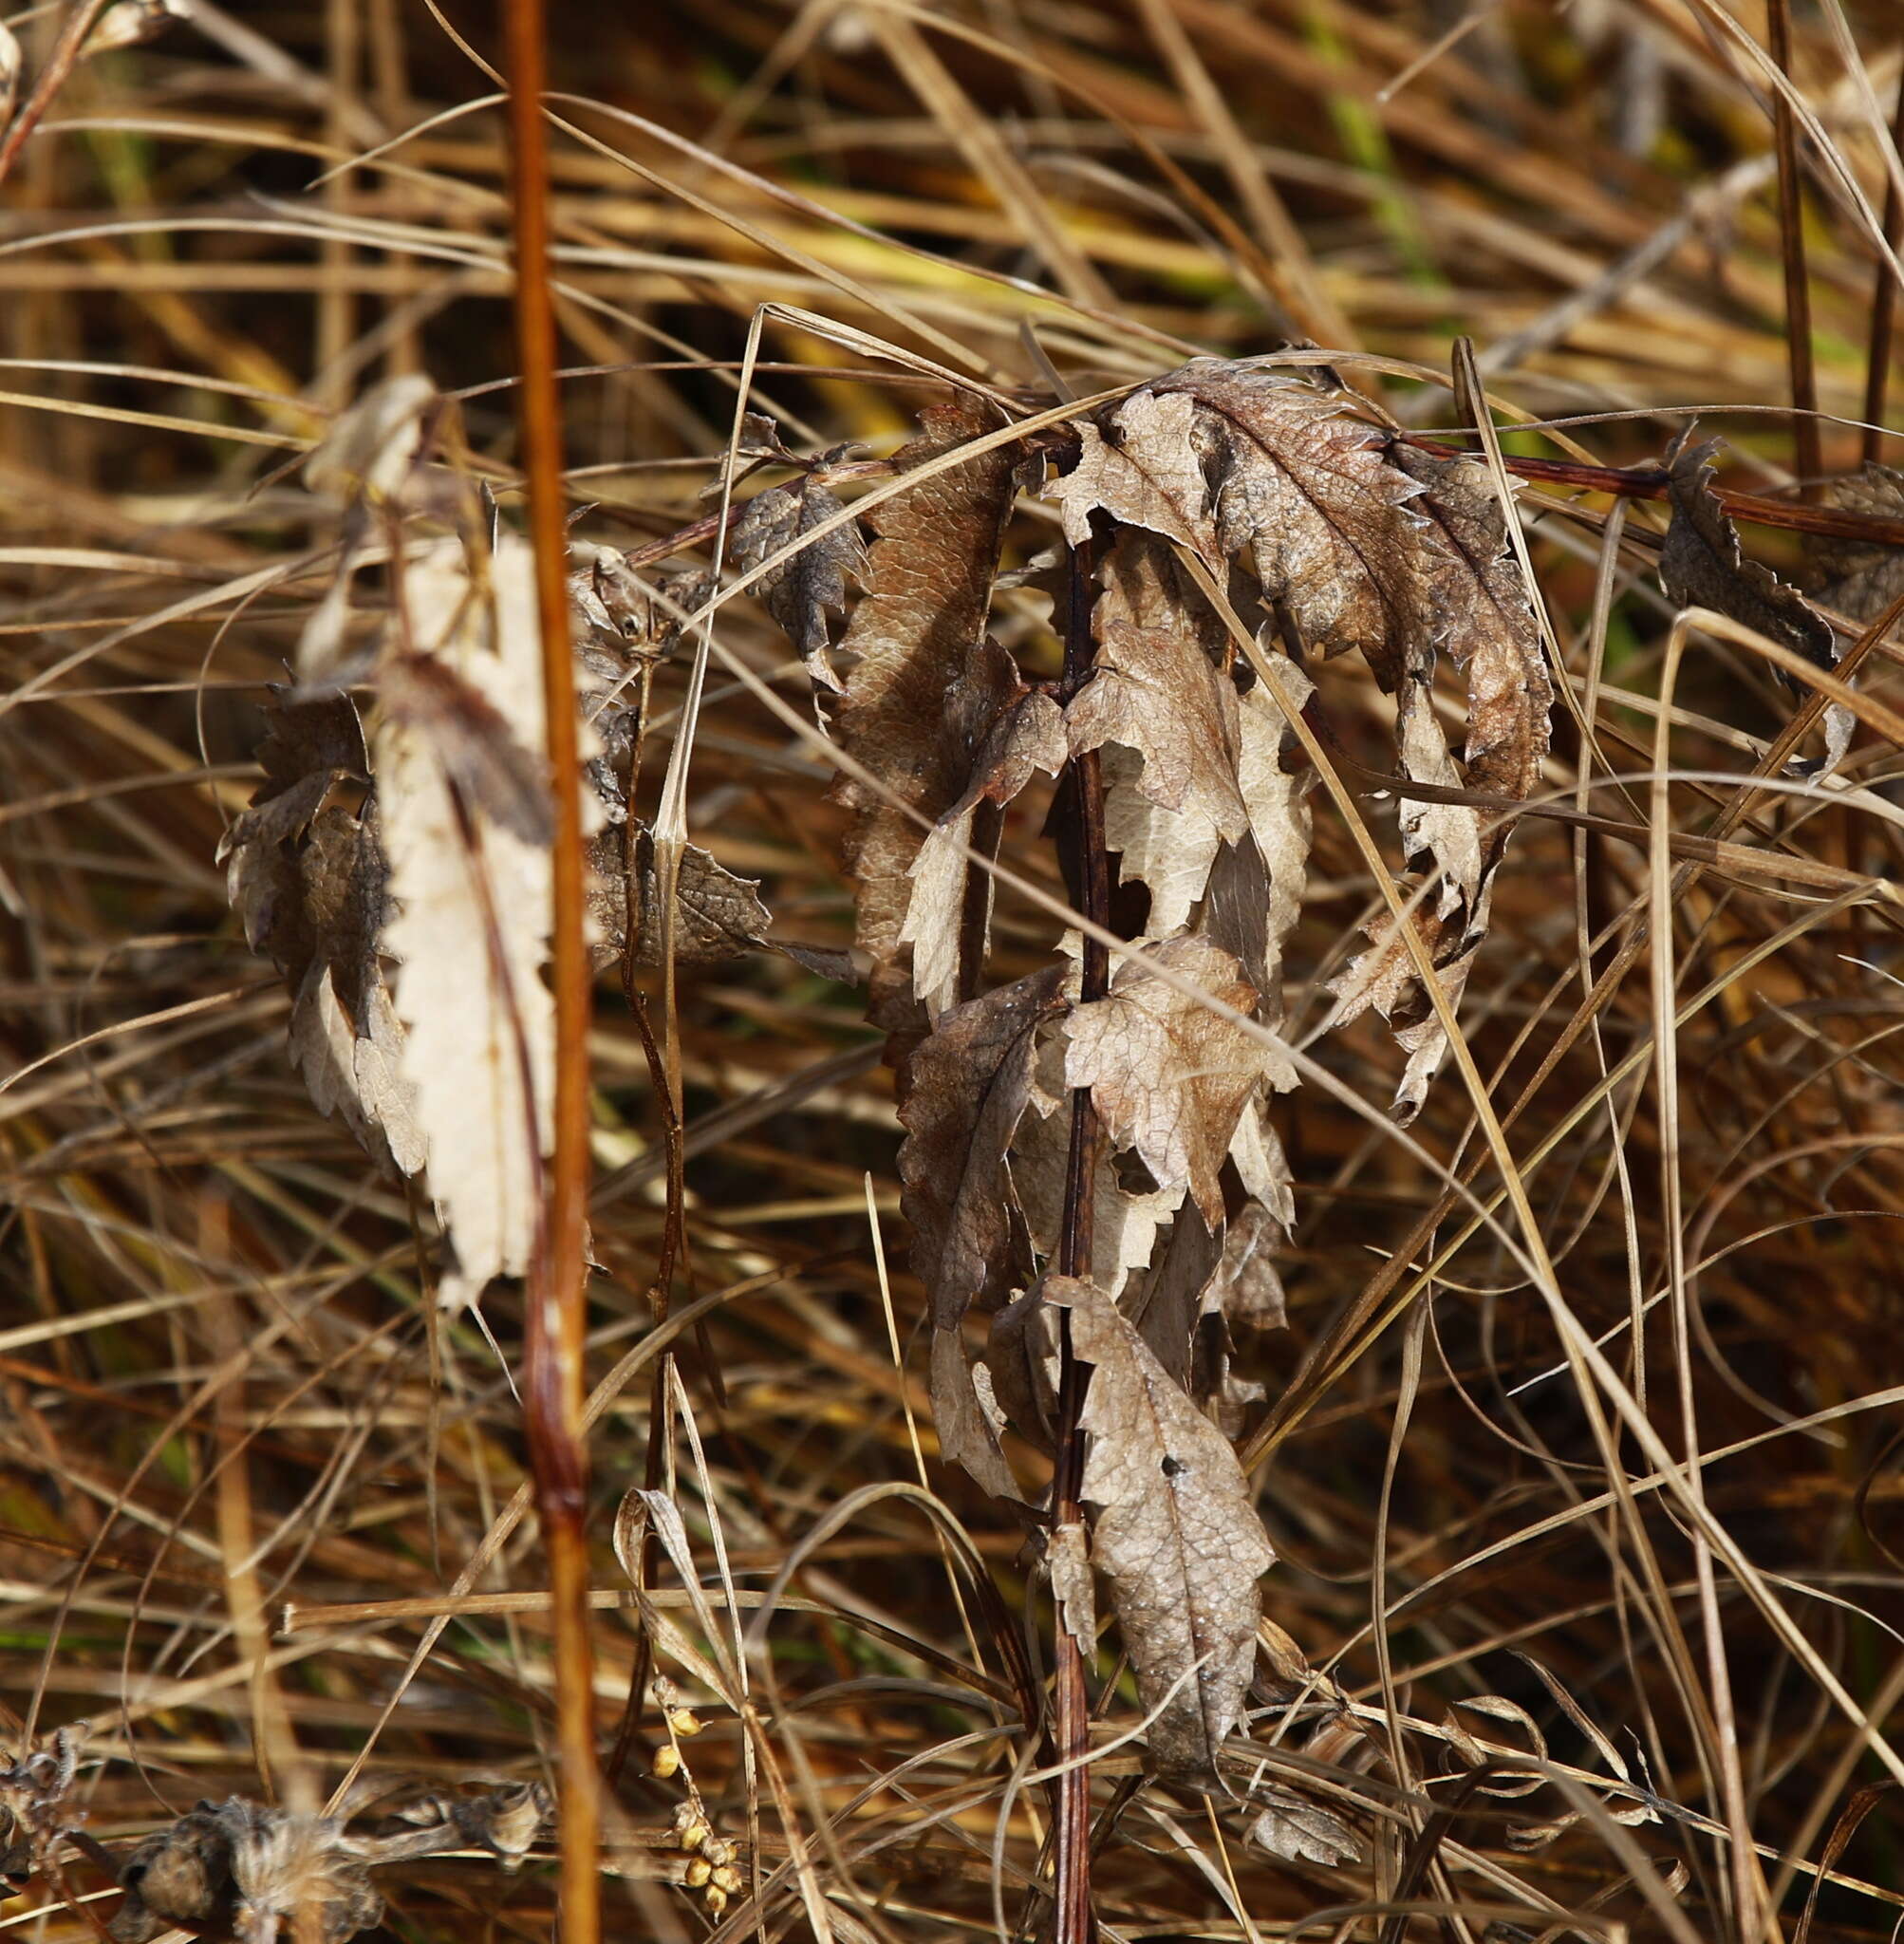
column 1301, row 1832
column 308, row 879
column 799, row 591
column 927, row 684
column 1859, row 578
column 964, row 1091
column 1174, row 1530
column 948, row 914
column 1169, row 1075
column 1702, row 565
column 718, row 915
column 1356, row 550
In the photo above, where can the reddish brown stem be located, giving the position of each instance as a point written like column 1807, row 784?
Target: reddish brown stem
column 1807, row 458
column 1648, row 482
column 1884, row 303
column 553, row 1375
column 60, row 64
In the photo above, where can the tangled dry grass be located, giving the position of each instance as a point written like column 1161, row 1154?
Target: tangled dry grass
column 1580, row 1448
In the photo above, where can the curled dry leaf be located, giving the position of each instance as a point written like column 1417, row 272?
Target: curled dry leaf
column 1860, row 579
column 1175, row 1532
column 810, row 575
column 366, row 466
column 927, row 684
column 947, row 916
column 718, row 915
column 308, row 879
column 1169, row 1076
column 964, row 1091
column 1301, row 1832
column 1702, row 565
column 1479, row 612
column 132, row 24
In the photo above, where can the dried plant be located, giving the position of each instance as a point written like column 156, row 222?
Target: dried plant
column 1121, row 646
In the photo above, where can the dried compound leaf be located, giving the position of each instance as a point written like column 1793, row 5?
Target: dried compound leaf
column 1175, row 1533
column 1359, row 545
column 1701, row 564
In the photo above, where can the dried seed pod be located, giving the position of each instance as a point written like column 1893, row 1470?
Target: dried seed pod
column 696, row 1872
column 666, row 1763
column 727, row 1880
column 716, row 1900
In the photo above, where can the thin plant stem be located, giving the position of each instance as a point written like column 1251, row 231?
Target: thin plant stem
column 1808, row 456
column 1883, row 304
column 556, row 1329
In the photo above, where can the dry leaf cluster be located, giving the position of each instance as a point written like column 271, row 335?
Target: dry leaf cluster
column 1239, row 778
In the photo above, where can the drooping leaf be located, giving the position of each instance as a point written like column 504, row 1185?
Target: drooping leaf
column 1860, row 579
column 306, row 877
column 948, row 913
column 813, row 578
column 472, row 889
column 1254, row 893
column 1301, row 1832
column 1175, row 1532
column 964, row 1091
column 966, row 1088
column 1153, row 690
column 718, row 915
column 1169, row 1076
column 927, row 684
column 1702, row 565
column 1125, row 1220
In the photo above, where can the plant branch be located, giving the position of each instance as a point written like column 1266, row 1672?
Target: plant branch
column 553, row 1377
